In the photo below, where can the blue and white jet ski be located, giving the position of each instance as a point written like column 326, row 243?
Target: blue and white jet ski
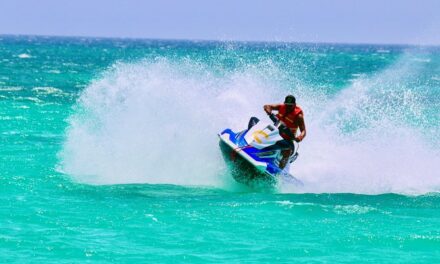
column 256, row 152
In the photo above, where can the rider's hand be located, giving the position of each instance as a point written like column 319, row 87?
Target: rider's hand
column 298, row 139
column 267, row 109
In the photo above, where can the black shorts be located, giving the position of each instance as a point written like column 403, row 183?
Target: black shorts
column 286, row 144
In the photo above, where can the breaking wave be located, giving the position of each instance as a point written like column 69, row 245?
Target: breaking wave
column 157, row 122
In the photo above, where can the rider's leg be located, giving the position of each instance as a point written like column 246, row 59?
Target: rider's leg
column 286, row 154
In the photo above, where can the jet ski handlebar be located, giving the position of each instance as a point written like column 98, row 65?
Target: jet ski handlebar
column 282, row 127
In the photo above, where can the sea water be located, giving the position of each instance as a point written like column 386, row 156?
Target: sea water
column 109, row 152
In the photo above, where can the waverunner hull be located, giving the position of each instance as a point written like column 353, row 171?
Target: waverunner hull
column 254, row 154
column 241, row 170
column 227, row 137
column 244, row 163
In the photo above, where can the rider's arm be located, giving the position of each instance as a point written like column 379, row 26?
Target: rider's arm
column 302, row 128
column 270, row 108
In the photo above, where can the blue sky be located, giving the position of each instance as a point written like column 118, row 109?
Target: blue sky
column 347, row 21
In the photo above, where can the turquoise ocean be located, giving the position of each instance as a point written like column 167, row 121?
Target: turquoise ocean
column 109, row 152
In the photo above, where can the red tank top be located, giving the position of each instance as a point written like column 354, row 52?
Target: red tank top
column 289, row 119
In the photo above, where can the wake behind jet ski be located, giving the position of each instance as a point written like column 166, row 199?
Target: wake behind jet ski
column 265, row 151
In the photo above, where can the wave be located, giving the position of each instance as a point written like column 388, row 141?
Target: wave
column 157, row 122
column 374, row 136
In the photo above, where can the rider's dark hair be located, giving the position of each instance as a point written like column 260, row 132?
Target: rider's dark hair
column 290, row 99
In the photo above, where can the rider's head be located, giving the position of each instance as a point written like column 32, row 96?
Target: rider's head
column 290, row 101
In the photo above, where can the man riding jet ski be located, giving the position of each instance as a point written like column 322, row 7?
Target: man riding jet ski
column 267, row 148
column 291, row 117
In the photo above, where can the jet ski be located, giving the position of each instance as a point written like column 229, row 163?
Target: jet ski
column 256, row 152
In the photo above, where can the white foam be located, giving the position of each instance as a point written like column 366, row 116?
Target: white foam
column 24, row 56
column 156, row 122
column 371, row 138
column 10, row 89
column 49, row 91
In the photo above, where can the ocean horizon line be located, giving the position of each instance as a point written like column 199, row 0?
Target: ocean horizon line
column 201, row 40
